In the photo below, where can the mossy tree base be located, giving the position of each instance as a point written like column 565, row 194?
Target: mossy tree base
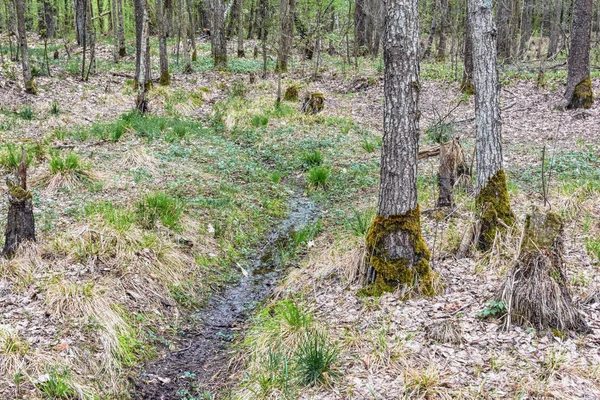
column 220, row 63
column 493, row 205
column 313, row 103
column 165, row 78
column 535, row 292
column 583, row 95
column 30, row 87
column 397, row 256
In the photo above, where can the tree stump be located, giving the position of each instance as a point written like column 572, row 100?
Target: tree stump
column 20, row 224
column 313, row 103
column 453, row 171
column 291, row 93
column 535, row 292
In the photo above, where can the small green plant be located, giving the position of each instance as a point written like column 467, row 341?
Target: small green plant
column 276, row 176
column 259, row 121
column 592, row 246
column 67, row 170
column 312, row 158
column 440, row 132
column 60, row 134
column 56, row 386
column 306, row 233
column 368, row 146
column 10, row 158
column 318, row 176
column 293, row 315
column 117, row 130
column 26, row 113
column 161, row 207
column 315, row 357
column 360, row 222
column 494, row 309
column 54, row 109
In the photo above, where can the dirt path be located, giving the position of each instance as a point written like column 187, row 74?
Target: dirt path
column 201, row 362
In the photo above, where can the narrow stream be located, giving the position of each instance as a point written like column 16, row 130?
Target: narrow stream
column 204, row 353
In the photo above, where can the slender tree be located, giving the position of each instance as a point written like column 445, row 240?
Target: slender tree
column 492, row 200
column 27, row 76
column 120, row 29
column 397, row 255
column 526, row 25
column 165, row 77
column 466, row 85
column 362, row 31
column 240, row 29
column 217, row 35
column 187, row 68
column 287, row 8
column 503, row 15
column 142, row 53
column 579, row 91
column 555, row 28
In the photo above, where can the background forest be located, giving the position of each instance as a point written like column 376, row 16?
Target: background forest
column 192, row 197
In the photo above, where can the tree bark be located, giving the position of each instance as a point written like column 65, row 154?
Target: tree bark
column 217, row 35
column 466, row 85
column 443, row 30
column 100, row 17
column 526, row 26
column 433, row 29
column 579, row 93
column 287, row 8
column 165, row 77
column 120, row 30
column 555, row 29
column 187, row 68
column 397, row 255
column 192, row 31
column 492, row 192
column 27, row 76
column 361, row 27
column 503, row 15
column 143, row 53
column 240, row 29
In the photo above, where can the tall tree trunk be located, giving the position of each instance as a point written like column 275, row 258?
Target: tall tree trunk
column 113, row 18
column 579, row 91
column 466, row 85
column 526, row 26
column 397, row 255
column 240, row 29
column 49, row 19
column 287, row 9
column 120, row 30
column 251, row 19
column 555, row 29
column 100, row 4
column 142, row 53
column 433, row 29
column 168, row 15
column 503, row 16
column 192, row 31
column 361, row 29
column 217, row 35
column 27, row 77
column 492, row 192
column 165, row 77
column 443, row 30
column 80, row 22
column 187, row 68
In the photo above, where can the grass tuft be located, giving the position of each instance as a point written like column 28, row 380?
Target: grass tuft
column 159, row 206
column 315, row 357
column 318, row 176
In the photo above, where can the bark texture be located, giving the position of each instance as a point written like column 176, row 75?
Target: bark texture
column 491, row 188
column 555, row 28
column 466, row 85
column 240, row 30
column 165, row 77
column 217, row 35
column 579, row 93
column 22, row 34
column 187, row 67
column 503, row 16
column 119, row 27
column 20, row 223
column 397, row 255
column 526, row 25
column 287, row 8
column 143, row 53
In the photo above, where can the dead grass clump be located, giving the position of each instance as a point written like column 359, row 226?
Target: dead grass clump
column 13, row 349
column 139, row 158
column 67, row 171
column 445, row 331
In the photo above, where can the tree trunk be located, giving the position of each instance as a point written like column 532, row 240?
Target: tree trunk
column 466, row 85
column 192, row 31
column 217, row 35
column 443, row 30
column 113, row 18
column 27, row 77
column 120, row 30
column 433, row 29
column 453, row 171
column 80, row 22
column 142, row 53
column 536, row 292
column 492, row 192
column 100, row 17
column 49, row 19
column 397, row 255
column 579, row 91
column 555, row 29
column 526, row 26
column 286, row 32
column 240, row 29
column 361, row 29
column 165, row 77
column 187, row 68
column 20, row 223
column 503, row 15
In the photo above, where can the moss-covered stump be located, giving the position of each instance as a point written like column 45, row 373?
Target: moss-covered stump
column 535, row 292
column 313, row 103
column 30, row 87
column 583, row 95
column 165, row 78
column 397, row 256
column 20, row 224
column 494, row 211
column 291, row 93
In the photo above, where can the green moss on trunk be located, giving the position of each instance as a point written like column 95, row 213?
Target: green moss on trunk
column 221, row 62
column 413, row 272
column 194, row 55
column 583, row 95
column 493, row 204
column 30, row 87
column 165, row 78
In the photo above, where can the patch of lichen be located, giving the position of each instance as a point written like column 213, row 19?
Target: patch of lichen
column 493, row 204
column 583, row 95
column 394, row 272
column 165, row 78
column 17, row 192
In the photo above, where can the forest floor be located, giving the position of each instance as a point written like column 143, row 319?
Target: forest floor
column 141, row 220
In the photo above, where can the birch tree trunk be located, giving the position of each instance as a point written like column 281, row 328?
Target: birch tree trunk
column 187, row 68
column 287, row 9
column 165, row 77
column 492, row 192
column 143, row 54
column 217, row 35
column 579, row 91
column 27, row 77
column 397, row 255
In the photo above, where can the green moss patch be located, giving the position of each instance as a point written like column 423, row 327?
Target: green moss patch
column 493, row 204
column 583, row 95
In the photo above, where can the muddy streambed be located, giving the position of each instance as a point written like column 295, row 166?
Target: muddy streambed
column 202, row 359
